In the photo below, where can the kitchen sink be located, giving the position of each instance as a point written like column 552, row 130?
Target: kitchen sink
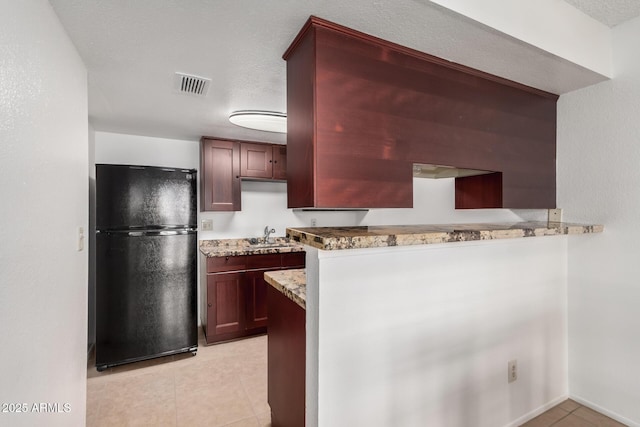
column 269, row 245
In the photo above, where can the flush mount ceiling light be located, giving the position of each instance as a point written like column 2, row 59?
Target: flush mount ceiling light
column 269, row 121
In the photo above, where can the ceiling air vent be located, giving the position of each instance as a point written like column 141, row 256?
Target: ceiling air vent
column 193, row 85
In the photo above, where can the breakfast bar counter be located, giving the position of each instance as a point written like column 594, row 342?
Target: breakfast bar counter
column 376, row 236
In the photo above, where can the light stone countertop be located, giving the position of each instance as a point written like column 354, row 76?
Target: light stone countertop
column 232, row 247
column 292, row 283
column 335, row 238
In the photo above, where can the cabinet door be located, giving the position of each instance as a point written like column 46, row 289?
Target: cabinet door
column 225, row 304
column 220, row 179
column 256, row 299
column 256, row 160
column 279, row 162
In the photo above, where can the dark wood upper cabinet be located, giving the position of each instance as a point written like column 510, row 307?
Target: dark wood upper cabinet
column 361, row 111
column 256, row 160
column 220, row 175
column 279, row 162
column 225, row 162
column 266, row 161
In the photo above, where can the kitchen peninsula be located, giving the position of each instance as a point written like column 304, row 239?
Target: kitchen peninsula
column 415, row 325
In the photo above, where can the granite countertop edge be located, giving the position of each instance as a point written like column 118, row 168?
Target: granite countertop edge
column 291, row 283
column 235, row 247
column 338, row 238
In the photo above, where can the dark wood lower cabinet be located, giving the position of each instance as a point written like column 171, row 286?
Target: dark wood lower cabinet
column 225, row 303
column 286, row 360
column 256, row 299
column 235, row 293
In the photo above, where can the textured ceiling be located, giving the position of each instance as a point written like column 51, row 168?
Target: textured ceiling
column 609, row 12
column 133, row 48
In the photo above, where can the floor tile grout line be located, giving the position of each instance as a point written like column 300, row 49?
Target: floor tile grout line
column 175, row 395
column 237, row 421
column 244, row 388
column 560, row 419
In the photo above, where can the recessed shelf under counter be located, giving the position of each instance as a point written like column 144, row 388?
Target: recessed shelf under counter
column 335, row 238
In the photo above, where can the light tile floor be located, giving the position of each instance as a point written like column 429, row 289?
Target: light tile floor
column 571, row 414
column 223, row 385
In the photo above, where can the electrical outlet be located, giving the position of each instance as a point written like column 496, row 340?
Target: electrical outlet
column 207, row 225
column 512, row 370
column 555, row 215
column 314, row 222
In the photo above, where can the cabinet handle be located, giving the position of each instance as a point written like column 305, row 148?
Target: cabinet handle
column 209, row 305
column 275, row 161
column 270, row 161
column 226, row 258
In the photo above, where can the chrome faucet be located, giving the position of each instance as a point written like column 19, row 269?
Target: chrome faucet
column 267, row 232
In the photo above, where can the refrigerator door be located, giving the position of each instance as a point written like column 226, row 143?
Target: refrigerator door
column 144, row 197
column 145, row 295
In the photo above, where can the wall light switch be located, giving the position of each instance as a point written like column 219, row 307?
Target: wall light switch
column 207, row 225
column 80, row 239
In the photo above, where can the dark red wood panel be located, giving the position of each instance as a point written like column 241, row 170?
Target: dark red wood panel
column 482, row 191
column 300, row 125
column 379, row 108
column 286, row 360
column 226, row 263
column 293, row 260
column 263, row 261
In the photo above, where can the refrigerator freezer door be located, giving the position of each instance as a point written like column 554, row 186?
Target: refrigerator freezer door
column 146, row 296
column 143, row 197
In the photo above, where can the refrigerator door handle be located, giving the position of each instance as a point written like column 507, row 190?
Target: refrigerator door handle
column 160, row 233
column 152, row 232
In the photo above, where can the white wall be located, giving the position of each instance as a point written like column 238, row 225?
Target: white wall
column 43, row 182
column 598, row 180
column 424, row 338
column 551, row 25
column 120, row 148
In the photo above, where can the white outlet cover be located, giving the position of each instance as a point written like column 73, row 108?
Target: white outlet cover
column 512, row 370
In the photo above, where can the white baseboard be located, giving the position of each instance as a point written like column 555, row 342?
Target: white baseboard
column 528, row 416
column 605, row 411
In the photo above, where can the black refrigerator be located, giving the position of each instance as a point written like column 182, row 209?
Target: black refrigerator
column 146, row 243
